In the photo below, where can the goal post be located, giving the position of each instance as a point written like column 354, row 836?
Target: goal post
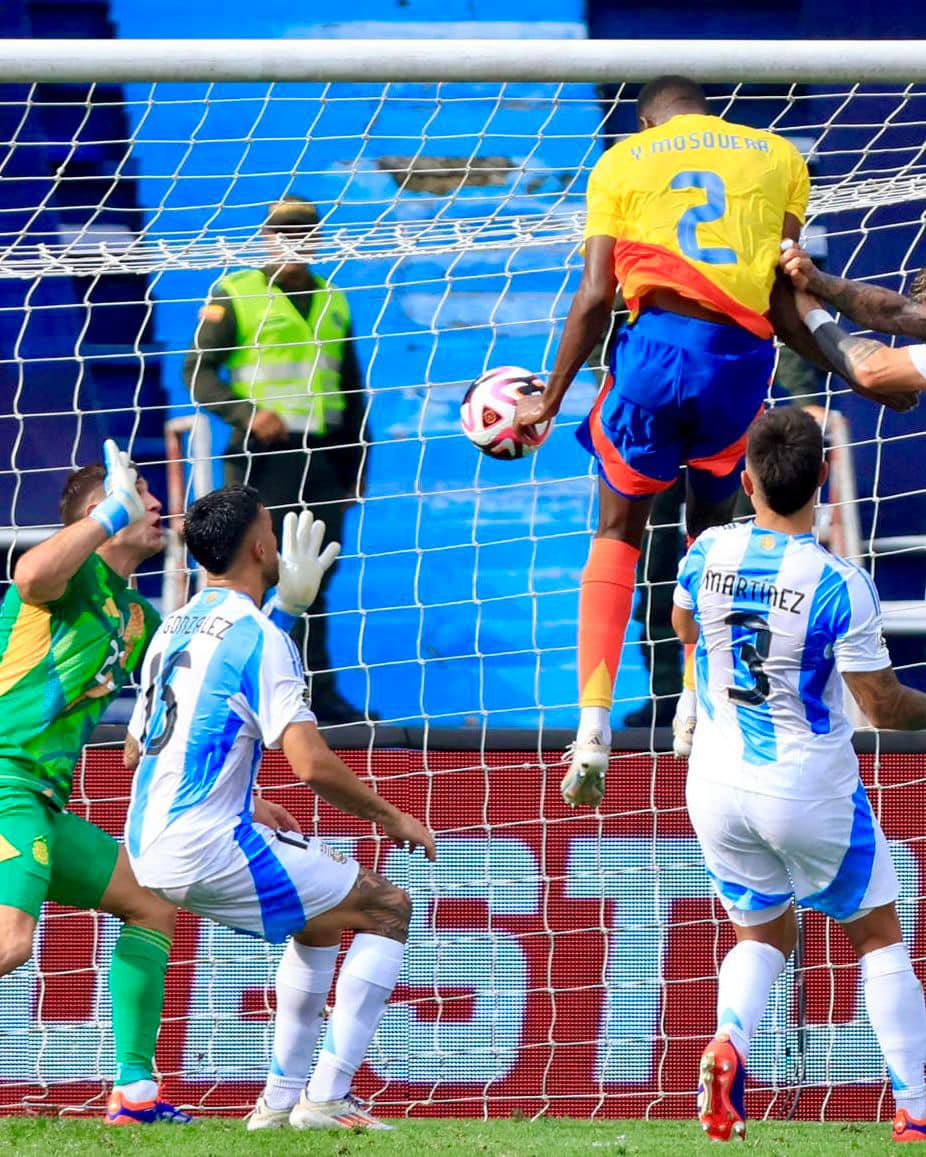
column 558, row 962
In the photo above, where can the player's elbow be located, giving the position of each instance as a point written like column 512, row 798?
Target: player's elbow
column 885, row 372
column 684, row 625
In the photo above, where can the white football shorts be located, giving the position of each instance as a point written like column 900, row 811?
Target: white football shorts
column 762, row 851
column 268, row 884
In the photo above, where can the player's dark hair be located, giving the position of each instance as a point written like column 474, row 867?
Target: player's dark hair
column 784, row 454
column 78, row 490
column 918, row 287
column 670, row 90
column 216, row 524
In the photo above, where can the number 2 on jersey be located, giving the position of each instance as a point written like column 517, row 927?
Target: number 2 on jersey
column 713, row 210
column 751, row 653
column 155, row 744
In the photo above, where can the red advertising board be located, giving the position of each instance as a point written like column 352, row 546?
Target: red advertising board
column 559, row 961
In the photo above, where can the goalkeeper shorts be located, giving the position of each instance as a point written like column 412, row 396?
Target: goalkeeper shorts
column 47, row 854
column 763, row 851
column 681, row 390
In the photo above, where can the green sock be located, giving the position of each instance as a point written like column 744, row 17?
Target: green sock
column 136, row 984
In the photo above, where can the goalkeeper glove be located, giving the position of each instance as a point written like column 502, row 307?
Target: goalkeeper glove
column 302, row 563
column 123, row 504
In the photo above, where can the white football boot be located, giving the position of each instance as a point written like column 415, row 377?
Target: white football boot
column 263, row 1117
column 346, row 1113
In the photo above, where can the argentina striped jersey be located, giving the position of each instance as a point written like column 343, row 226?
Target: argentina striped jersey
column 219, row 683
column 780, row 618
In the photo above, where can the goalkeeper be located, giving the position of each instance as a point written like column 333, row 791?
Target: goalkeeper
column 71, row 634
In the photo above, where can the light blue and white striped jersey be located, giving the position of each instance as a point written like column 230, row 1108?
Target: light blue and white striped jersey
column 219, row 683
column 780, row 618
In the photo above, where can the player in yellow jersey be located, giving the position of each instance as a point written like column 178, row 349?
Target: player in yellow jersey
column 687, row 215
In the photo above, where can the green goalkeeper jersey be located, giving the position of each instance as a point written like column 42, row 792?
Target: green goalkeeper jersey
column 60, row 666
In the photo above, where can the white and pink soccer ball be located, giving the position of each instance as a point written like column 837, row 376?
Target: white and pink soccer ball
column 488, row 409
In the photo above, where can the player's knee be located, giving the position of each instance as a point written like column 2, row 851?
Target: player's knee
column 394, row 913
column 147, row 910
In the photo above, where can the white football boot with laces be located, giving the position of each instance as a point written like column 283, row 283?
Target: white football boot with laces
column 346, row 1113
column 263, row 1117
column 588, row 759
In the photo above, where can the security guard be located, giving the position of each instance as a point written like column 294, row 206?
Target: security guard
column 293, row 394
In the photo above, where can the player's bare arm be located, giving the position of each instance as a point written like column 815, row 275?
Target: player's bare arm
column 313, row 762
column 876, row 367
column 886, row 702
column 870, row 306
column 684, row 625
column 131, row 752
column 588, row 315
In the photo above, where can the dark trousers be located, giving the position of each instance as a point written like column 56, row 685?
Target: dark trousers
column 657, row 569
column 288, row 477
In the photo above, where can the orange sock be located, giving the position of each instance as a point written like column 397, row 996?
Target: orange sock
column 604, row 611
column 688, row 671
column 688, row 675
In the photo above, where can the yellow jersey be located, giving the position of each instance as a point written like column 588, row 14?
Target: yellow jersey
column 697, row 205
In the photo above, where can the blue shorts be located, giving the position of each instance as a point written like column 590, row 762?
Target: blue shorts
column 681, row 390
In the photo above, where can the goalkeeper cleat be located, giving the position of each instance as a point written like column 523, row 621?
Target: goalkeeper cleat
column 684, row 723
column 583, row 783
column 121, row 1111
column 263, row 1117
column 346, row 1113
column 907, row 1128
column 721, row 1107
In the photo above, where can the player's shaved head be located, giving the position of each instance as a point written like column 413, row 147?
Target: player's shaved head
column 216, row 526
column 784, row 455
column 82, row 487
column 918, row 287
column 669, row 96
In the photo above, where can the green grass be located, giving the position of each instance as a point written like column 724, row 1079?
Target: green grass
column 552, row 1137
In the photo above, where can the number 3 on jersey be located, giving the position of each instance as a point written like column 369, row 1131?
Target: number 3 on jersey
column 751, row 646
column 713, row 210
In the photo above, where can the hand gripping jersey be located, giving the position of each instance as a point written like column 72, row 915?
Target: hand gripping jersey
column 697, row 205
column 60, row 666
column 780, row 618
column 219, row 683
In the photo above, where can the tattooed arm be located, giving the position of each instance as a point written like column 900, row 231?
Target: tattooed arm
column 886, row 702
column 868, row 365
column 867, row 305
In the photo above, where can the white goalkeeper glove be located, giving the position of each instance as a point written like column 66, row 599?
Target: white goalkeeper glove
column 303, row 563
column 123, row 504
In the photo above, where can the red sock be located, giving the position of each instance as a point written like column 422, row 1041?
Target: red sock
column 604, row 611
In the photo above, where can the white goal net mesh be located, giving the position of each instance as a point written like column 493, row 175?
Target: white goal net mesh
column 558, row 963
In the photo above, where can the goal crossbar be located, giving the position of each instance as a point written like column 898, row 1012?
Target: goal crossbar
column 594, row 61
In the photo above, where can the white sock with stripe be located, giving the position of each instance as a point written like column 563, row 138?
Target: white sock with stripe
column 744, row 984
column 365, row 983
column 303, row 981
column 897, row 1011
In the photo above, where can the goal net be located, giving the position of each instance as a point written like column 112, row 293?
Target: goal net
column 558, row 962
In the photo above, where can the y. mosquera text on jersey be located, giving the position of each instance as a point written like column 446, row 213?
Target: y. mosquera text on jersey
column 697, row 205
column 780, row 619
column 60, row 666
column 219, row 683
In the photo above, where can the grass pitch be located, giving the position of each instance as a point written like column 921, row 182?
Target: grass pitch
column 551, row 1137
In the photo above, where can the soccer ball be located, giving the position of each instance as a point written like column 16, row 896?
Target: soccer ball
column 487, row 412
